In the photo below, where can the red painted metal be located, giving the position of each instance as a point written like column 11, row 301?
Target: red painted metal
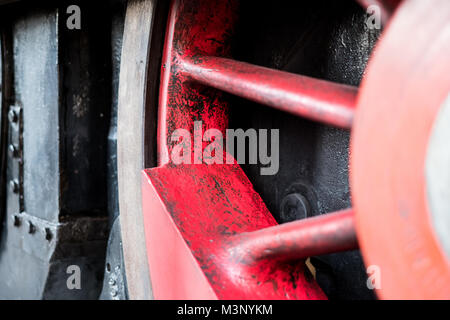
column 407, row 81
column 197, row 216
column 196, row 27
column 194, row 215
column 324, row 234
column 303, row 96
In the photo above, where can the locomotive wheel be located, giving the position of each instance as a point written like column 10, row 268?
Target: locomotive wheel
column 168, row 116
column 400, row 165
column 387, row 168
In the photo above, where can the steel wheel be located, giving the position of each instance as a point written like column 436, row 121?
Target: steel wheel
column 143, row 33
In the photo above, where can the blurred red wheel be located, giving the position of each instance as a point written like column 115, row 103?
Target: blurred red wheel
column 407, row 84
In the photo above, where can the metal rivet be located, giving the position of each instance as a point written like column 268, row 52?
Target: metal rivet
column 13, row 150
column 294, row 207
column 17, row 221
column 14, row 186
column 12, row 116
column 48, row 234
column 31, row 227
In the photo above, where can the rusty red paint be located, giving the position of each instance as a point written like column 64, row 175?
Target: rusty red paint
column 303, row 96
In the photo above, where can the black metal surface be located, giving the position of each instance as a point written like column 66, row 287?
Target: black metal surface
column 85, row 78
column 323, row 39
column 293, row 207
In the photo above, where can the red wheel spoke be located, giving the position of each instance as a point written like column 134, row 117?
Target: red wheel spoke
column 307, row 97
column 324, row 234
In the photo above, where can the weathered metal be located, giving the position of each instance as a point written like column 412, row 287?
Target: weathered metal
column 202, row 210
column 322, row 39
column 136, row 129
column 114, row 281
column 295, row 206
column 55, row 216
column 329, row 233
column 315, row 99
column 15, row 159
column 194, row 27
column 208, row 212
column 208, row 233
column 407, row 83
column 6, row 89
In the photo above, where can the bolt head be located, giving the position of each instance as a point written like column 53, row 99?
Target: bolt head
column 14, row 186
column 48, row 234
column 294, row 207
column 112, row 282
column 17, row 221
column 31, row 227
column 12, row 116
column 13, row 150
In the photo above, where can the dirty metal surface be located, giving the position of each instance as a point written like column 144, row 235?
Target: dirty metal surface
column 53, row 225
column 333, row 232
column 317, row 164
column 114, row 282
column 136, row 142
column 35, row 33
column 194, row 28
column 200, row 208
column 315, row 99
column 322, row 39
column 85, row 103
column 6, row 88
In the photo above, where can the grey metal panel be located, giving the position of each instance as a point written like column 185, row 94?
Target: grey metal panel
column 34, row 260
column 25, row 256
column 36, row 82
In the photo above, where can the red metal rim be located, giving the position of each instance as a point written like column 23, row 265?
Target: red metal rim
column 408, row 80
